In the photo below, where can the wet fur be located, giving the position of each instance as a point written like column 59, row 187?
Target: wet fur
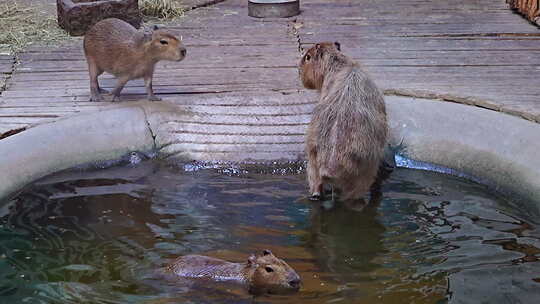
column 114, row 46
column 253, row 273
column 347, row 134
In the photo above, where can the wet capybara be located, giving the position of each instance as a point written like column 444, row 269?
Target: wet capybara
column 347, row 133
column 263, row 273
column 114, row 46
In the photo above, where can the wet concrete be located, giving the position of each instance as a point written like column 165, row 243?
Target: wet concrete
column 500, row 151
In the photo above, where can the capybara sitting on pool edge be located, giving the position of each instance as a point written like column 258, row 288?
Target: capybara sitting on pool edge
column 347, row 134
column 263, row 273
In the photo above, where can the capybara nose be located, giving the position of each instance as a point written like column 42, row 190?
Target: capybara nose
column 294, row 283
column 183, row 52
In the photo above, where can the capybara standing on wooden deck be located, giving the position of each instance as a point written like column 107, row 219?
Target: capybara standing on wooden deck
column 347, row 134
column 114, row 46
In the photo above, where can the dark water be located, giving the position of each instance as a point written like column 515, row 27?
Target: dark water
column 96, row 236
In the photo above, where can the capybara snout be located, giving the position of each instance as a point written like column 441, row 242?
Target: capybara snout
column 168, row 46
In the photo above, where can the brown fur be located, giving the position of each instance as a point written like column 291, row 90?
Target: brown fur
column 114, row 46
column 263, row 273
column 347, row 134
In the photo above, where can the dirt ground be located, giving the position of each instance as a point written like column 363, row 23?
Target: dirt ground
column 26, row 22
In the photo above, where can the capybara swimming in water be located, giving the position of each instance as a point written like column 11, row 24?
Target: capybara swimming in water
column 347, row 134
column 263, row 273
column 114, row 46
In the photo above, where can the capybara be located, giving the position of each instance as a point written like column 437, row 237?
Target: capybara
column 263, row 273
column 114, row 46
column 347, row 133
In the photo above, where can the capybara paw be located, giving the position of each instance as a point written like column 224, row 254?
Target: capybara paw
column 154, row 98
column 115, row 98
column 315, row 196
column 96, row 98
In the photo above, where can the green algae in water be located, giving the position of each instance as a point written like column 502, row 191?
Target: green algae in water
column 96, row 237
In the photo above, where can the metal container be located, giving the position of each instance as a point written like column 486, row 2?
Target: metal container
column 273, row 8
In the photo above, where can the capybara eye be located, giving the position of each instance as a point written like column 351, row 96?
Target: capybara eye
column 164, row 42
column 308, row 57
column 268, row 269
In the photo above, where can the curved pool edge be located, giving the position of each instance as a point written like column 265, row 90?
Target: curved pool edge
column 496, row 148
column 52, row 147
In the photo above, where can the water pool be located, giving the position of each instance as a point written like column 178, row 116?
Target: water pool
column 95, row 236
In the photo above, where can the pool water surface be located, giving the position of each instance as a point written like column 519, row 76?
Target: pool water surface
column 98, row 235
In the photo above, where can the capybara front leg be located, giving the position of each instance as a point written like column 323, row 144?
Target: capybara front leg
column 149, row 90
column 121, row 82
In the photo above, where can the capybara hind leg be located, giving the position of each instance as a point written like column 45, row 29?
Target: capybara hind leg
column 352, row 190
column 121, row 82
column 383, row 172
column 315, row 181
column 94, row 72
column 356, row 204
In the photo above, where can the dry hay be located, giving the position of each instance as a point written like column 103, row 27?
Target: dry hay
column 22, row 26
column 163, row 9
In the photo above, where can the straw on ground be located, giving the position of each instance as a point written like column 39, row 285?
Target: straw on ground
column 164, row 9
column 22, row 26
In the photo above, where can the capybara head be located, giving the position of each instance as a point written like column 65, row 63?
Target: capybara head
column 269, row 274
column 316, row 62
column 166, row 46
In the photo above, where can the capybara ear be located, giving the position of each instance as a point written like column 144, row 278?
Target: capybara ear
column 317, row 46
column 251, row 260
column 267, row 252
column 338, row 45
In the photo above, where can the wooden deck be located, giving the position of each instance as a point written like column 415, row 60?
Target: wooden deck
column 240, row 72
column 475, row 52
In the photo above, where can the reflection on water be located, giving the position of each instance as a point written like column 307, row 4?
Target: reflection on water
column 97, row 236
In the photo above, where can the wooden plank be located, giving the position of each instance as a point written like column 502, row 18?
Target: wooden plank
column 177, row 89
column 445, row 56
column 194, row 54
column 159, row 75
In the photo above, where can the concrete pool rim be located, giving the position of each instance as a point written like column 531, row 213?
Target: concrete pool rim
column 494, row 147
